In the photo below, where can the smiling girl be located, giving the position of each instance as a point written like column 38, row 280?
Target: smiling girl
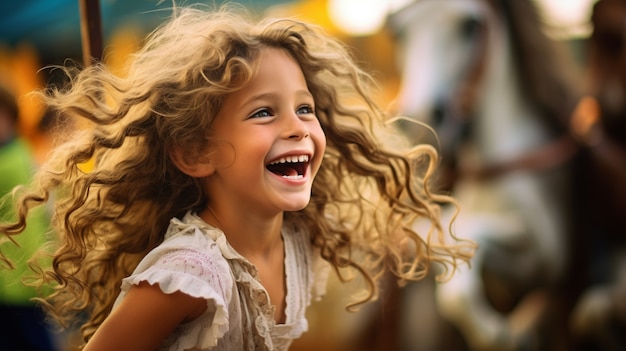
column 233, row 164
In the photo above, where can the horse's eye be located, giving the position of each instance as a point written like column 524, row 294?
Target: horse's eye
column 470, row 27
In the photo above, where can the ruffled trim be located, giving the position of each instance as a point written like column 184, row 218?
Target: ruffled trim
column 203, row 332
column 258, row 299
column 193, row 264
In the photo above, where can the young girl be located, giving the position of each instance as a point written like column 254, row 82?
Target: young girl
column 233, row 159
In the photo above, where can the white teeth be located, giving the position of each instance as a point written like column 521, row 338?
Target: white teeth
column 291, row 159
column 299, row 176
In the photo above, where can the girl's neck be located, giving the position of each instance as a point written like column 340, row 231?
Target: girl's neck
column 251, row 236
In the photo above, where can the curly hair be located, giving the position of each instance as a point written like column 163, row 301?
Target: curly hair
column 365, row 199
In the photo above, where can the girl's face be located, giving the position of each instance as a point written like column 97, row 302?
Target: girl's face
column 269, row 142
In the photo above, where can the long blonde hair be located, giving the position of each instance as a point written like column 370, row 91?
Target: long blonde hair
column 365, row 199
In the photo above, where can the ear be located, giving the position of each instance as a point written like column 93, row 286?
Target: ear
column 197, row 167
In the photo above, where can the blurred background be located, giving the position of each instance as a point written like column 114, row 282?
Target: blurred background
column 562, row 60
column 39, row 33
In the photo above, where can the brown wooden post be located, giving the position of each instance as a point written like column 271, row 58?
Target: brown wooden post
column 91, row 31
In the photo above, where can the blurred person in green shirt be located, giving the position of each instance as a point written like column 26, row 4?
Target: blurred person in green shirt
column 23, row 322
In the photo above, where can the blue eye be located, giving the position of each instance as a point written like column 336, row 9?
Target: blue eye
column 305, row 109
column 261, row 113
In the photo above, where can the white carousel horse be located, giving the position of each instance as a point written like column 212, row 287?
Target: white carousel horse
column 460, row 76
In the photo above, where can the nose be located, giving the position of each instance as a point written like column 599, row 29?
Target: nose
column 294, row 127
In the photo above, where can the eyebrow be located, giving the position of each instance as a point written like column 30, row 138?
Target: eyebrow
column 262, row 96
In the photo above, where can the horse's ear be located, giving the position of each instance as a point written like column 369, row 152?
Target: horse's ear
column 197, row 167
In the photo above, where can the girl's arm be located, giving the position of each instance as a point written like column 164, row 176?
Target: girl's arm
column 144, row 319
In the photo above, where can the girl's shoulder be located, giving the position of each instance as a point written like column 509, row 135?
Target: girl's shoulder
column 190, row 260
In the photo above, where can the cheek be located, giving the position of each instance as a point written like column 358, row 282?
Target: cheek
column 322, row 142
column 252, row 148
column 319, row 138
column 224, row 154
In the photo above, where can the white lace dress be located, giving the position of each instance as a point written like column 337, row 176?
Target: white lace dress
column 196, row 259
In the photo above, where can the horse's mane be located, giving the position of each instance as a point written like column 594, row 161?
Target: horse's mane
column 606, row 68
column 546, row 71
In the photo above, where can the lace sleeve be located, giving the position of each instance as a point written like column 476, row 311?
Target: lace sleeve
column 198, row 272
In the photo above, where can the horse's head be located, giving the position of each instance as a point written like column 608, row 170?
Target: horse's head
column 440, row 43
column 442, row 53
column 483, row 71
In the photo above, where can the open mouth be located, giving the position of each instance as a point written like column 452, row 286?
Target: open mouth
column 290, row 167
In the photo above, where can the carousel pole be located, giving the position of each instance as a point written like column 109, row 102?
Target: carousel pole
column 91, row 31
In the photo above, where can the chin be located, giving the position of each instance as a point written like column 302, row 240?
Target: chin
column 297, row 204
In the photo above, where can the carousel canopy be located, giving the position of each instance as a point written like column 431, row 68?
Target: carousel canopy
column 53, row 26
